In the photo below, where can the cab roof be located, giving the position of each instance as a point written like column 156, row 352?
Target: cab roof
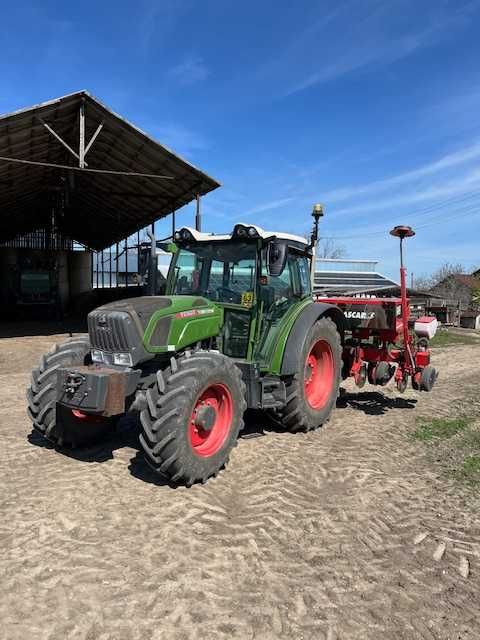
column 200, row 236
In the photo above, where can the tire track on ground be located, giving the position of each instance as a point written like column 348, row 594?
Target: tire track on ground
column 303, row 536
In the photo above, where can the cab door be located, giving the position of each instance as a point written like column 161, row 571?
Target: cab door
column 280, row 298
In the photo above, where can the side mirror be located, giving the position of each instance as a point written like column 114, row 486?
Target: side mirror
column 276, row 258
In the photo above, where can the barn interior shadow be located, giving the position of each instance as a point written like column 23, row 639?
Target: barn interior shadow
column 42, row 327
column 373, row 402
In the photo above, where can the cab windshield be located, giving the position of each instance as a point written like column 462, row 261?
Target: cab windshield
column 220, row 271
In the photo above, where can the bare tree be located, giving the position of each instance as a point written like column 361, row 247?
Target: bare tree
column 329, row 248
column 423, row 282
column 442, row 276
column 446, row 270
column 445, row 285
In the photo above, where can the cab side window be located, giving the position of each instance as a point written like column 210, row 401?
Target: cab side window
column 275, row 289
column 304, row 275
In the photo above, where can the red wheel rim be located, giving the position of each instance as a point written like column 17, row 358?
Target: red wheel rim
column 207, row 441
column 319, row 374
column 87, row 417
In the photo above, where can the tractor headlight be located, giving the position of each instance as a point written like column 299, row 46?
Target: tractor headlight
column 97, row 356
column 183, row 235
column 124, row 359
column 242, row 231
column 186, row 235
column 239, row 231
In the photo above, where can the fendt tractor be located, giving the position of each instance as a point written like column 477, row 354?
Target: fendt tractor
column 237, row 328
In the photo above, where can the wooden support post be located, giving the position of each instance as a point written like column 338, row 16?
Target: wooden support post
column 126, row 262
column 93, row 138
column 138, row 258
column 117, row 247
column 55, row 135
column 198, row 214
column 81, row 143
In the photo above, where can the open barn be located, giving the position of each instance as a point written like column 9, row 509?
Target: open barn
column 76, row 179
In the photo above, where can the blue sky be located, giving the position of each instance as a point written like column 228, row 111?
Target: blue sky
column 371, row 107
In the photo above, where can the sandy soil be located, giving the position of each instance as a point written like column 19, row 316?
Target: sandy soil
column 310, row 536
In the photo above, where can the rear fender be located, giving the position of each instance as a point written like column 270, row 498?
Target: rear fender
column 298, row 333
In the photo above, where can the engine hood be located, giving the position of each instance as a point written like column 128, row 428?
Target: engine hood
column 163, row 323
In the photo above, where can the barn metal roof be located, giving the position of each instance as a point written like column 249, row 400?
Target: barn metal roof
column 96, row 209
column 337, row 277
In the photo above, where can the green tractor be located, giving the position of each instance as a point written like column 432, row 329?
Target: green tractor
column 237, row 328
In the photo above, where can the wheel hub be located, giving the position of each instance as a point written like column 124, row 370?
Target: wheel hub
column 211, row 419
column 309, row 371
column 205, row 417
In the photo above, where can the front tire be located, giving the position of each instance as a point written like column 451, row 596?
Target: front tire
column 313, row 391
column 55, row 422
column 193, row 416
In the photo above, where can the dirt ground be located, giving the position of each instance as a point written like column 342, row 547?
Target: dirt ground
column 310, row 536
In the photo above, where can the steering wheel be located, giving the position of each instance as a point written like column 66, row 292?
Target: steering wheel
column 229, row 295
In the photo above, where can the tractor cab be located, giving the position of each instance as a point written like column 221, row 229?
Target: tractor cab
column 254, row 275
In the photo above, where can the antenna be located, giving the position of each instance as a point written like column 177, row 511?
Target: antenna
column 403, row 232
column 317, row 213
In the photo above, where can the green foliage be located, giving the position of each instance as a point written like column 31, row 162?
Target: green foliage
column 439, row 428
column 446, row 338
column 454, row 444
column 476, row 296
column 469, row 470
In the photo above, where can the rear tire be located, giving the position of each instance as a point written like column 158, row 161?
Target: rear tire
column 193, row 416
column 313, row 391
column 56, row 422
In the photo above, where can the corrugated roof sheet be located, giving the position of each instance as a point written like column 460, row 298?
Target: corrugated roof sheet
column 97, row 209
column 343, row 282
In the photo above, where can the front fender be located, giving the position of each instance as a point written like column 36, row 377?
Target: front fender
column 298, row 333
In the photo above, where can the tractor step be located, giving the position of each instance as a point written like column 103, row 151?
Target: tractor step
column 263, row 392
column 273, row 393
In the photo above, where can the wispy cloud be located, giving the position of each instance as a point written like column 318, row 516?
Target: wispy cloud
column 190, row 71
column 268, row 206
column 468, row 184
column 442, row 196
column 156, row 20
column 449, row 161
column 372, row 34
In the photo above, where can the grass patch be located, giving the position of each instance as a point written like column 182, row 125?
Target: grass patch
column 469, row 471
column 454, row 445
column 449, row 338
column 439, row 428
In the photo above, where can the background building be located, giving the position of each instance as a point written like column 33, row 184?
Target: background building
column 78, row 183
